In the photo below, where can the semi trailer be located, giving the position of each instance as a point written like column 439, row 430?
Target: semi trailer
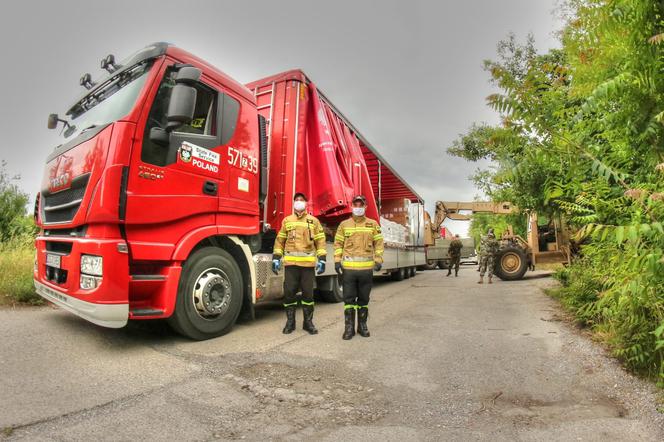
column 171, row 178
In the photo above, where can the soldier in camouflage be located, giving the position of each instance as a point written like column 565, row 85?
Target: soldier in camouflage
column 488, row 249
column 454, row 252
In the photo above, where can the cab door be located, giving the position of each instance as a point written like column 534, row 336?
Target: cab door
column 174, row 189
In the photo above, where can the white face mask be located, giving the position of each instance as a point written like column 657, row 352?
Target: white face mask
column 358, row 211
column 299, row 205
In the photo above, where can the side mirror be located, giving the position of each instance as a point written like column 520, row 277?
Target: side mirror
column 188, row 75
column 183, row 97
column 53, row 121
column 160, row 137
column 181, row 106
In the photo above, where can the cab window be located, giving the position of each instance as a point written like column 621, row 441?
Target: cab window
column 202, row 130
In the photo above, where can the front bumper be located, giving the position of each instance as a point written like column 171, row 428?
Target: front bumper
column 106, row 315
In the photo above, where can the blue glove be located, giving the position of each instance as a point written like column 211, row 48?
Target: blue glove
column 276, row 266
column 377, row 267
column 320, row 267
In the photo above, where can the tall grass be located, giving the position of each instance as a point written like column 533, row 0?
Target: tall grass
column 16, row 264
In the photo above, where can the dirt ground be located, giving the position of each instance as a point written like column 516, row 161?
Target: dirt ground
column 447, row 359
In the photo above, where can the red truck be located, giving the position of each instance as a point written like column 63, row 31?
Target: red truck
column 163, row 199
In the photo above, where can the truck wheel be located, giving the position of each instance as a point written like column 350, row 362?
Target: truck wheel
column 430, row 265
column 209, row 295
column 511, row 263
column 398, row 275
column 413, row 271
column 334, row 295
column 406, row 272
column 442, row 264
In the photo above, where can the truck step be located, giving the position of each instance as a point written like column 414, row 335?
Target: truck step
column 148, row 277
column 146, row 312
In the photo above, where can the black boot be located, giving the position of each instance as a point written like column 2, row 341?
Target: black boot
column 456, row 273
column 362, row 315
column 449, row 272
column 308, row 325
column 290, row 320
column 349, row 316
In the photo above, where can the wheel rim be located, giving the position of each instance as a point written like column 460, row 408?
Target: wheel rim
column 211, row 294
column 510, row 262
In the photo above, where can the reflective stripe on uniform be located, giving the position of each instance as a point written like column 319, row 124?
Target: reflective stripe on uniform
column 339, row 237
column 299, row 253
column 338, row 251
column 291, row 304
column 288, row 258
column 348, row 231
column 321, row 252
column 358, row 258
column 358, row 264
column 307, row 303
column 282, row 235
column 377, row 237
column 277, row 252
column 319, row 236
column 296, row 224
column 349, row 306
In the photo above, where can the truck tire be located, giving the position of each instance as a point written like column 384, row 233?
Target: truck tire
column 406, row 272
column 430, row 265
column 511, row 263
column 336, row 294
column 413, row 272
column 209, row 296
column 398, row 275
column 442, row 264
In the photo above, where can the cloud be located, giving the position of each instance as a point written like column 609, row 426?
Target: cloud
column 407, row 74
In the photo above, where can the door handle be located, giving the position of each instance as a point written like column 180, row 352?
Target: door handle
column 210, row 188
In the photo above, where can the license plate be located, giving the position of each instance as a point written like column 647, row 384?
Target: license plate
column 53, row 260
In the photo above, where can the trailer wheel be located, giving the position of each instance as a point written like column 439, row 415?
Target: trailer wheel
column 209, row 295
column 413, row 271
column 406, row 272
column 398, row 275
column 336, row 294
column 442, row 264
column 511, row 264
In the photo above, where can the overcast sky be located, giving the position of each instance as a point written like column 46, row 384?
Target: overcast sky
column 408, row 74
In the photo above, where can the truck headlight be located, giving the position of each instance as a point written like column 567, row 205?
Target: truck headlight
column 91, row 265
column 89, row 282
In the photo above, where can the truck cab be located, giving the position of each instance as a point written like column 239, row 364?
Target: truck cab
column 156, row 159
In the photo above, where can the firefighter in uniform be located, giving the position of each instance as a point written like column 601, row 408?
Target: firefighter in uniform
column 301, row 244
column 358, row 252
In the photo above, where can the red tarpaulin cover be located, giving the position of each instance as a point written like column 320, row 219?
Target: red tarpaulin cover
column 337, row 170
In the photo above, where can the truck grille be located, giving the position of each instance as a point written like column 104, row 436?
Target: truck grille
column 62, row 206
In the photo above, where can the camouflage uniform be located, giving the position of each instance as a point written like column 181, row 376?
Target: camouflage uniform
column 488, row 249
column 454, row 252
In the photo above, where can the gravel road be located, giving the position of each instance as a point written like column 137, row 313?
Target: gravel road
column 447, row 359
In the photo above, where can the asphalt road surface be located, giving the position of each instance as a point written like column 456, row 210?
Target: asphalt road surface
column 447, row 359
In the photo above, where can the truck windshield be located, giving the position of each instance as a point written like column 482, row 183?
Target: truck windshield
column 109, row 103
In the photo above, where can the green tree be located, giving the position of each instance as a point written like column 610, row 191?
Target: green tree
column 13, row 202
column 581, row 132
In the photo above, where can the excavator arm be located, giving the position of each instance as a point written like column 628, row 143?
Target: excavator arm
column 451, row 209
